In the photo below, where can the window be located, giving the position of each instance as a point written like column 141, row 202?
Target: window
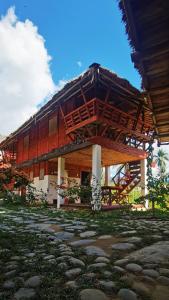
column 41, row 173
column 53, row 125
column 26, row 142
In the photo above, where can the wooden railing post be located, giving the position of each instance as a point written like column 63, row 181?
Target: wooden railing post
column 110, row 115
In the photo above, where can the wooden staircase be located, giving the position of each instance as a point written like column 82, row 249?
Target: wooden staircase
column 126, row 179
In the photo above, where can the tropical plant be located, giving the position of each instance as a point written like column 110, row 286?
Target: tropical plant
column 158, row 186
column 161, row 160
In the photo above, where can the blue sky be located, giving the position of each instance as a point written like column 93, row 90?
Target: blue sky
column 84, row 31
column 76, row 33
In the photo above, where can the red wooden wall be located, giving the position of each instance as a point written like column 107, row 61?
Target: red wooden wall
column 50, row 168
column 40, row 141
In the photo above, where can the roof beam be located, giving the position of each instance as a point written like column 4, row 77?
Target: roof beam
column 162, row 124
column 161, row 110
column 159, row 90
column 163, row 135
column 71, row 147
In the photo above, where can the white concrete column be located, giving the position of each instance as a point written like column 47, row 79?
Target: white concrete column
column 96, row 177
column 60, row 180
column 107, row 175
column 144, row 190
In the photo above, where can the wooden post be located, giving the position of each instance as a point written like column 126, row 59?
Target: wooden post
column 96, row 177
column 144, row 180
column 107, row 175
column 60, row 181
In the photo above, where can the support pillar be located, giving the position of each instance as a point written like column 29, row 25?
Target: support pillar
column 144, row 180
column 60, row 180
column 107, row 175
column 96, row 177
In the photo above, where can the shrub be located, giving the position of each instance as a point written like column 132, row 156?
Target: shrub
column 82, row 192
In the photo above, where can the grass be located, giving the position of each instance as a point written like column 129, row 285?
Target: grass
column 86, row 214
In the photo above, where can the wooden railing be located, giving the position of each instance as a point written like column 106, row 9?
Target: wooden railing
column 97, row 110
column 80, row 114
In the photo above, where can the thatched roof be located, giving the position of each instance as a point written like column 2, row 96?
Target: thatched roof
column 147, row 27
column 95, row 74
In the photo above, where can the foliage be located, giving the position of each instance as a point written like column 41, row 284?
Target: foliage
column 134, row 194
column 158, row 193
column 43, row 198
column 158, row 186
column 87, row 194
column 76, row 192
column 35, row 197
column 161, row 159
column 11, row 178
column 31, row 195
column 10, row 197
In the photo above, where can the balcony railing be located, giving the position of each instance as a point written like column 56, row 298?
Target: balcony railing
column 98, row 111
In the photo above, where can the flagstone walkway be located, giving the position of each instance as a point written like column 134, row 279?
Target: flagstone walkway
column 45, row 257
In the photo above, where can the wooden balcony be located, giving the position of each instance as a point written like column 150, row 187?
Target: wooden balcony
column 97, row 111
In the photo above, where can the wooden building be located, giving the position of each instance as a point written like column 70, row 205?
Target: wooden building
column 96, row 120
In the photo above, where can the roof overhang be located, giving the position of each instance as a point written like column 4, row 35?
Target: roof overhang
column 147, row 26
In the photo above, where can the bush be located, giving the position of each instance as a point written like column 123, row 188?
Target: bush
column 82, row 192
column 35, row 197
column 12, row 198
column 11, row 179
column 31, row 198
column 158, row 193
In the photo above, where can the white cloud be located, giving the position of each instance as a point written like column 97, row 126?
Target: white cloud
column 79, row 63
column 61, row 83
column 25, row 76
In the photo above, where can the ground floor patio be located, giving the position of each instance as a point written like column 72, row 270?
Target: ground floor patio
column 49, row 254
column 90, row 166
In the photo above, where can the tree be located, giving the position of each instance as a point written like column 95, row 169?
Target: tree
column 158, row 192
column 161, row 159
column 158, row 186
column 11, row 179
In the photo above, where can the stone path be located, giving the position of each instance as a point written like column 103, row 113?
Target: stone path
column 44, row 257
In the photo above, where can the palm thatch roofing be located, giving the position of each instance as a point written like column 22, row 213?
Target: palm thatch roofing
column 147, row 27
column 94, row 76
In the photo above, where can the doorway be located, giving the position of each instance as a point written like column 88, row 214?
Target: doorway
column 85, row 178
